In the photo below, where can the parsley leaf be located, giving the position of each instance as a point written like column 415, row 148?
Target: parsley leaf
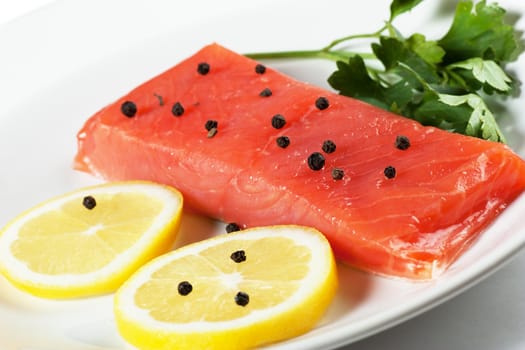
column 479, row 32
column 400, row 6
column 486, row 72
column 429, row 51
column 439, row 82
column 435, row 112
column 481, row 122
column 355, row 80
column 392, row 51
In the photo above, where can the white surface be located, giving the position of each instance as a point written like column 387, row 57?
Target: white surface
column 63, row 62
column 12, row 9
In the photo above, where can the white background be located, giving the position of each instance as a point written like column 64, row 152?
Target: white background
column 10, row 9
column 489, row 316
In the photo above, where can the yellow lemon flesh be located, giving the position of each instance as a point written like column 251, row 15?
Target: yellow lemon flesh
column 233, row 291
column 89, row 241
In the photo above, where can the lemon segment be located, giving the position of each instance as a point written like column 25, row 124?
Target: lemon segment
column 288, row 275
column 61, row 248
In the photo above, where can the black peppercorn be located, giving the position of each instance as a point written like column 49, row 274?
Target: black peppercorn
column 89, row 202
column 177, row 109
column 322, row 103
column 402, row 142
column 203, row 68
column 184, row 288
column 232, row 227
column 283, row 141
column 316, row 161
column 337, row 174
column 210, row 124
column 242, row 299
column 328, row 146
column 260, row 69
column 278, row 121
column 238, row 256
column 390, row 172
column 129, row 109
column 265, row 93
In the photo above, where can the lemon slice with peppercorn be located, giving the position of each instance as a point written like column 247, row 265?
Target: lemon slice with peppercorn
column 91, row 240
column 233, row 291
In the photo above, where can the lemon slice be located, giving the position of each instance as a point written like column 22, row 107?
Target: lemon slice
column 89, row 241
column 232, row 291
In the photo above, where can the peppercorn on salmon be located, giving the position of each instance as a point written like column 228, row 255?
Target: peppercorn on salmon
column 247, row 144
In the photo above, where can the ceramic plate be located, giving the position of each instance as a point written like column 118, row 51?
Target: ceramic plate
column 62, row 63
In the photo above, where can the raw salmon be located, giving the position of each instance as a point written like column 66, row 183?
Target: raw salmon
column 247, row 144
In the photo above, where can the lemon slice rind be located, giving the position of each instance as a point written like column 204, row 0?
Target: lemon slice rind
column 299, row 308
column 162, row 232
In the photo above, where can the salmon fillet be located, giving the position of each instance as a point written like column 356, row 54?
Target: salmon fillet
column 247, row 144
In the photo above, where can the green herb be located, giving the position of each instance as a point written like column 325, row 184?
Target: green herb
column 445, row 83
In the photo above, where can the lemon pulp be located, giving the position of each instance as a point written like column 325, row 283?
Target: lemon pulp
column 62, row 248
column 288, row 275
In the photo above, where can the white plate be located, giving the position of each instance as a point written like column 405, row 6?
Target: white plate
column 62, row 63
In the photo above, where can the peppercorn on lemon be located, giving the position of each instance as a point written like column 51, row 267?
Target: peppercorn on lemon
column 233, row 291
column 89, row 241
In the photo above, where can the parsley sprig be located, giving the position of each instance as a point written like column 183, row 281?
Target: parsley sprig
column 444, row 83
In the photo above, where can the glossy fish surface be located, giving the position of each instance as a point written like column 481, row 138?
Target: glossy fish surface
column 250, row 145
